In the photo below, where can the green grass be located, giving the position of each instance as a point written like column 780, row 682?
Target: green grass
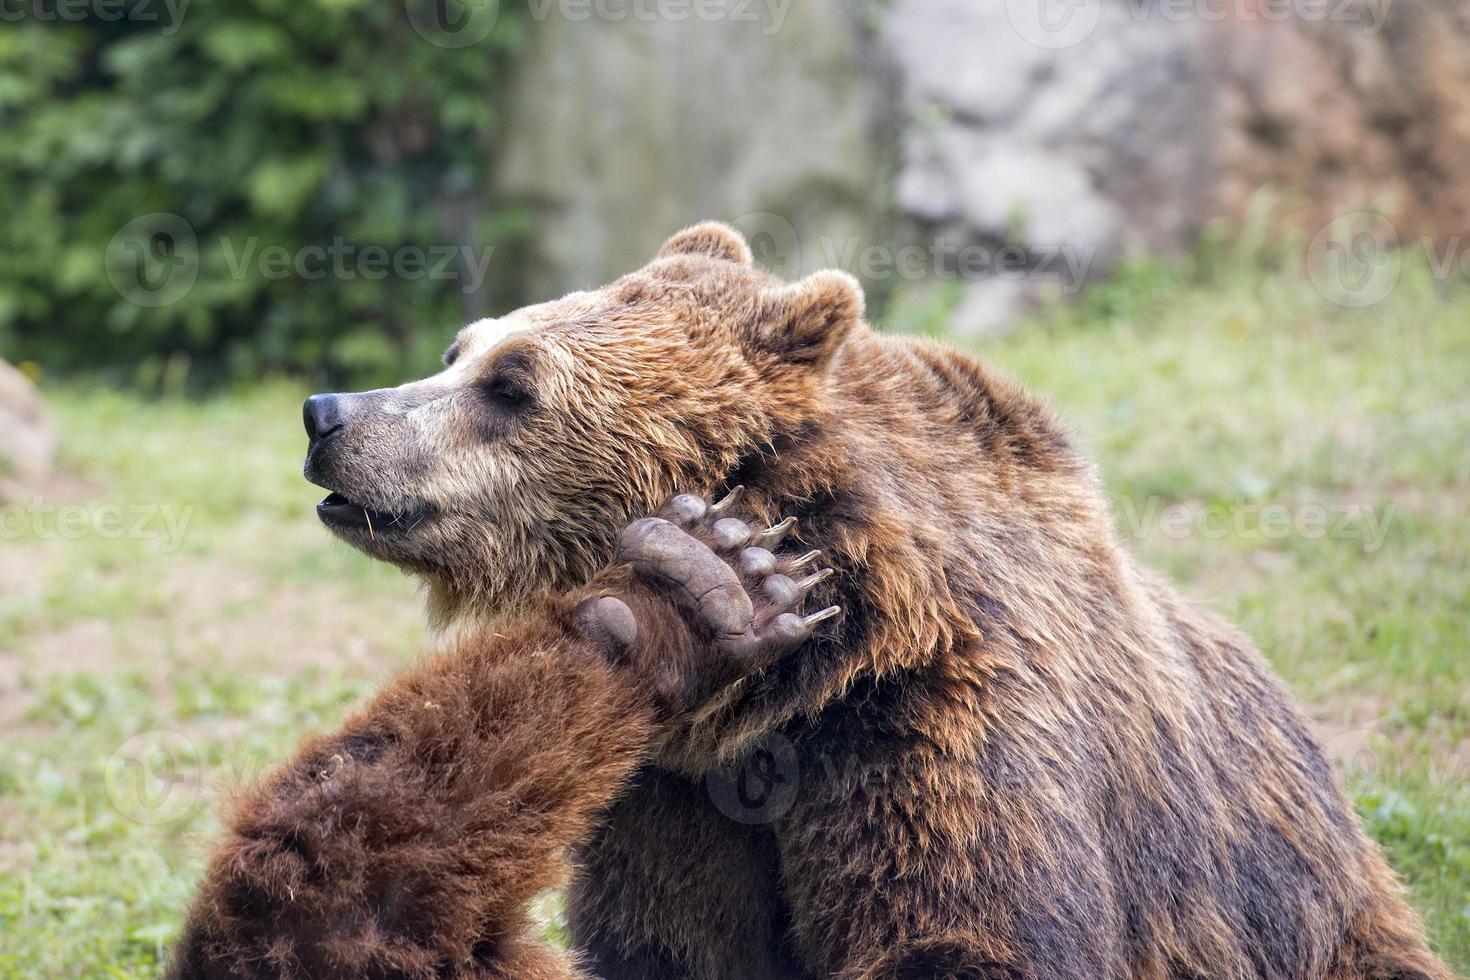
column 1222, row 394
column 224, row 643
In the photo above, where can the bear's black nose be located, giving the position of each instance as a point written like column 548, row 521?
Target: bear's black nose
column 322, row 415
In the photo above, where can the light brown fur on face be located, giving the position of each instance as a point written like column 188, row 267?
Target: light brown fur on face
column 1020, row 756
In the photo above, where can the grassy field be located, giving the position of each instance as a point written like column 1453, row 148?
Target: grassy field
column 171, row 616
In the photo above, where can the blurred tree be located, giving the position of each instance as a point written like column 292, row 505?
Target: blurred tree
column 224, row 188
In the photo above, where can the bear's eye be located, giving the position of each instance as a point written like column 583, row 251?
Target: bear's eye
column 507, row 391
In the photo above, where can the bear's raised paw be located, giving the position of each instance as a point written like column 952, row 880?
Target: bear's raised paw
column 737, row 592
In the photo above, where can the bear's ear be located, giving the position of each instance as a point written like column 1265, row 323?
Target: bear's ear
column 806, row 322
column 712, row 238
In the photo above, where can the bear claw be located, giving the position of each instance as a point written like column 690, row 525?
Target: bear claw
column 787, row 591
column 743, row 593
column 774, row 535
column 805, row 559
column 731, row 499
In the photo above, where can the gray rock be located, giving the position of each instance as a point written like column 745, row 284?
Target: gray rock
column 1079, row 140
column 27, row 436
column 1110, row 126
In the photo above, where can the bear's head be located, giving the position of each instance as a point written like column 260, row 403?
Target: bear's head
column 509, row 472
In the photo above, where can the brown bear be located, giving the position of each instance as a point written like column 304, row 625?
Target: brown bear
column 1020, row 755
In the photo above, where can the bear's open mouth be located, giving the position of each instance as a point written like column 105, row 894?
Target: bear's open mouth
column 340, row 513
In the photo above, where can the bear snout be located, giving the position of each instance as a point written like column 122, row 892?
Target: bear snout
column 324, row 416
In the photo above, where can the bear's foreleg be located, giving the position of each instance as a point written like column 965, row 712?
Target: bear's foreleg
column 410, row 843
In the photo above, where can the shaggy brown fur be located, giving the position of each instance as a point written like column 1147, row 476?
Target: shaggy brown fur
column 409, row 843
column 1020, row 756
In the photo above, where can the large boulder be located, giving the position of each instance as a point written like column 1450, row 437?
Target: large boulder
column 1071, row 145
column 27, row 437
column 1099, row 127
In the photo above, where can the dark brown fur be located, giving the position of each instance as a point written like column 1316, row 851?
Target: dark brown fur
column 1021, row 756
column 409, row 843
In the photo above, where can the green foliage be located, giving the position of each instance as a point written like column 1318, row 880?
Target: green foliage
column 231, row 187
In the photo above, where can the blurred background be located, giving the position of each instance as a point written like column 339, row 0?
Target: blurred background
column 1228, row 238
